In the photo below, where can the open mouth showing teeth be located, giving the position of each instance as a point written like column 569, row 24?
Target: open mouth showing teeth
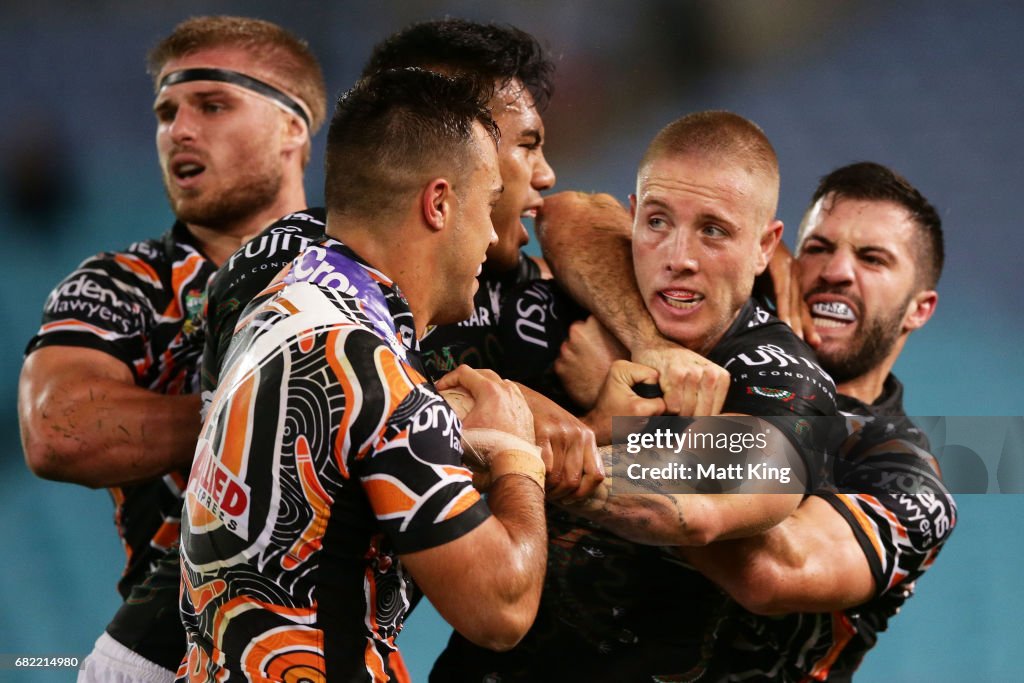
column 682, row 300
column 188, row 170
column 832, row 314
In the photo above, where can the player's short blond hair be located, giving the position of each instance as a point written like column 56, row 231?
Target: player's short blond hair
column 284, row 56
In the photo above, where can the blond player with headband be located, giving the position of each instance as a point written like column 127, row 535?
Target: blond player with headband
column 107, row 395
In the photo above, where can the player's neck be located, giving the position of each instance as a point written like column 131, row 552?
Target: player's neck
column 403, row 256
column 868, row 387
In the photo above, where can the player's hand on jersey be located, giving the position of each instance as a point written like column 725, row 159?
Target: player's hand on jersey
column 574, row 467
column 495, row 415
column 585, row 358
column 617, row 398
column 690, row 384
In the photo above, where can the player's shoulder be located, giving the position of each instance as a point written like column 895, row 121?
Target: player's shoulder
column 759, row 339
column 770, row 363
column 254, row 264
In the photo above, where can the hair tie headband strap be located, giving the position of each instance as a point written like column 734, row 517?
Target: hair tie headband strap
column 239, row 79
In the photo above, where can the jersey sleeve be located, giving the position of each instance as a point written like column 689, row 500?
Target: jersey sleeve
column 420, row 492
column 897, row 507
column 101, row 305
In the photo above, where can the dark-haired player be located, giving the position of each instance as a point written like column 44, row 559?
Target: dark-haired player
column 813, row 592
column 328, row 475
column 816, row 590
column 521, row 73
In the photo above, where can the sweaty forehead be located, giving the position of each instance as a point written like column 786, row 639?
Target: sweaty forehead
column 514, row 99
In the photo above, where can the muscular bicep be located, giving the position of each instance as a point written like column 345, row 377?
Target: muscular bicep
column 460, row 577
column 84, row 420
column 54, row 382
column 811, row 562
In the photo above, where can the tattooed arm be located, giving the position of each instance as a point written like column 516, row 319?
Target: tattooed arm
column 658, row 517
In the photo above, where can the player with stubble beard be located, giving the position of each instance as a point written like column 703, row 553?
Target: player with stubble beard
column 812, row 593
column 108, row 395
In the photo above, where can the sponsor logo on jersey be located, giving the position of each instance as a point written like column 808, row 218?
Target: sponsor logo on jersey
column 481, row 318
column 533, row 310
column 773, row 362
column 312, row 266
column 438, row 415
column 84, row 298
column 284, row 239
column 220, row 491
column 769, row 392
column 194, row 300
column 928, row 514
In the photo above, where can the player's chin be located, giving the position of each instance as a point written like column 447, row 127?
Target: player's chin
column 457, row 310
column 684, row 332
column 502, row 260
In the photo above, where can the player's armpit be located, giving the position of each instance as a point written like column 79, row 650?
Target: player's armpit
column 84, row 420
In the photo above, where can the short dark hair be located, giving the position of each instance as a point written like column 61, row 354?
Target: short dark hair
column 869, row 181
column 286, row 57
column 495, row 52
column 396, row 129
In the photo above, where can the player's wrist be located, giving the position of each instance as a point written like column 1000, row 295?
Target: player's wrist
column 517, row 462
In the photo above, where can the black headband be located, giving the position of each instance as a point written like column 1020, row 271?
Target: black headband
column 239, row 79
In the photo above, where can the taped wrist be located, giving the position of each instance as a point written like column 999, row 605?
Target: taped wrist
column 524, row 463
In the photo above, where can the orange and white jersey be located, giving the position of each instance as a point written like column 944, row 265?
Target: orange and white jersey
column 324, row 456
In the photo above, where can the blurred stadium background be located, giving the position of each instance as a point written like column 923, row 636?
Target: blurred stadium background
column 934, row 88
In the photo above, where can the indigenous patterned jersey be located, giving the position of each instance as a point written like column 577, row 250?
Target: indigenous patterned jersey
column 244, row 275
column 889, row 491
column 603, row 610
column 142, row 306
column 473, row 342
column 476, row 342
column 325, row 455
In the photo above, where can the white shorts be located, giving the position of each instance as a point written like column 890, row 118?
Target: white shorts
column 112, row 662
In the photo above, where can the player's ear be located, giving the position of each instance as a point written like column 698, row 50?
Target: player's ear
column 920, row 309
column 769, row 240
column 632, row 207
column 437, row 203
column 295, row 134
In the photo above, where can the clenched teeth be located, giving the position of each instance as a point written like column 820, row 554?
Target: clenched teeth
column 833, row 310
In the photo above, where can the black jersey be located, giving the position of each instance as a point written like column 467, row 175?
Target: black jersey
column 142, row 306
column 477, row 341
column 245, row 274
column 611, row 609
column 900, row 532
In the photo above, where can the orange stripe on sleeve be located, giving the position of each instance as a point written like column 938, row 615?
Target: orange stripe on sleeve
column 866, row 524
